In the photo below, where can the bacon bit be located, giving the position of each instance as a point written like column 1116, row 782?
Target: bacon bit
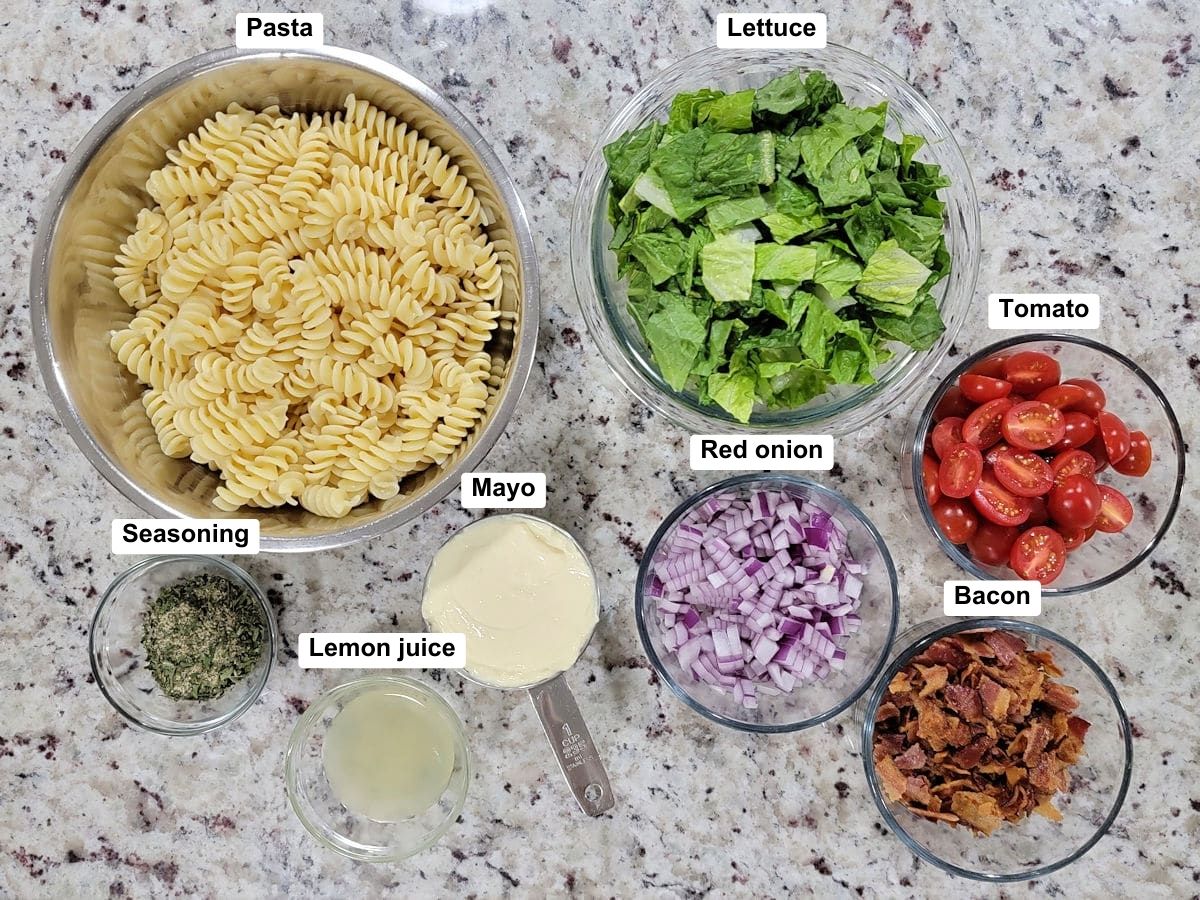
column 978, row 810
column 891, row 778
column 965, row 701
column 1007, row 646
column 995, row 699
column 935, row 679
column 974, row 732
column 1061, row 696
column 912, row 758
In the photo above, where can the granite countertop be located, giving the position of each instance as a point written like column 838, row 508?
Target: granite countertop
column 1078, row 121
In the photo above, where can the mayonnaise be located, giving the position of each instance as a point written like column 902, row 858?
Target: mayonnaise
column 521, row 591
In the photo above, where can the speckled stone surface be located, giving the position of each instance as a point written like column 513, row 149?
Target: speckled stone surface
column 1078, row 121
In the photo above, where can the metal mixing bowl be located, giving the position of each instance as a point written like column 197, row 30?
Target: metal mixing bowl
column 92, row 208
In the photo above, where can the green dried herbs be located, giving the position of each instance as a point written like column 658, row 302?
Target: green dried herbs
column 202, row 634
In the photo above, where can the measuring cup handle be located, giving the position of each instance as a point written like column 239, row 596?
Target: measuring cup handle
column 573, row 745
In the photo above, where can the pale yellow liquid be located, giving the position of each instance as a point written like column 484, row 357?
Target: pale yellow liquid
column 388, row 756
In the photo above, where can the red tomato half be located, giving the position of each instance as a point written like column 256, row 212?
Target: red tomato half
column 1039, row 554
column 992, row 543
column 1137, row 461
column 956, row 519
column 1094, row 400
column 1095, row 448
column 1074, row 538
column 946, row 434
column 991, row 367
column 1063, row 396
column 952, row 403
column 1072, row 462
column 1075, row 503
column 997, row 504
column 1115, row 510
column 1038, row 514
column 1024, row 473
column 981, row 388
column 994, row 451
column 929, row 479
column 1115, row 434
column 1031, row 372
column 960, row 470
column 1033, row 425
column 982, row 427
column 1081, row 428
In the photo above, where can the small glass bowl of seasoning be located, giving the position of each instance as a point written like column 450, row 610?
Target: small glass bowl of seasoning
column 181, row 645
column 377, row 768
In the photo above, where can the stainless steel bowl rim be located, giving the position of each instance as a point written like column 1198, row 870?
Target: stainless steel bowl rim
column 954, row 626
column 81, row 157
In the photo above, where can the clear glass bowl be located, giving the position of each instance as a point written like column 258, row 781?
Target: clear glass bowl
column 119, row 660
column 348, row 832
column 1132, row 395
column 813, row 702
column 602, row 295
column 1033, row 847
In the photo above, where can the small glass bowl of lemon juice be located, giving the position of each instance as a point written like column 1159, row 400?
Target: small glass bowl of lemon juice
column 377, row 768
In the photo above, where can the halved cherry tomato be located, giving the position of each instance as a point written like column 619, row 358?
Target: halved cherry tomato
column 1038, row 514
column 1033, row 425
column 994, row 451
column 929, row 479
column 1031, row 372
column 992, row 543
column 960, row 471
column 956, row 519
column 1095, row 448
column 1024, row 473
column 952, row 403
column 1075, row 503
column 1081, row 428
column 1115, row 434
column 1137, row 461
column 982, row 427
column 1094, row 400
column 1072, row 462
column 1073, row 538
column 1115, row 510
column 981, row 388
column 1039, row 554
column 997, row 504
column 1063, row 396
column 946, row 434
column 991, row 367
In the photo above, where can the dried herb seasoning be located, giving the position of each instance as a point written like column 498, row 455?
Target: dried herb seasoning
column 202, row 634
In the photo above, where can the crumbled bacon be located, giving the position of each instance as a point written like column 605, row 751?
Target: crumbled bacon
column 975, row 732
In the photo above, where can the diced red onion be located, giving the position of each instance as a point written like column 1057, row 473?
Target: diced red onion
column 756, row 593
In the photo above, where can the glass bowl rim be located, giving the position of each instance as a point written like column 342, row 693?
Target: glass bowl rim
column 179, row 729
column 356, row 686
column 1004, row 624
column 676, row 406
column 925, row 420
column 737, row 482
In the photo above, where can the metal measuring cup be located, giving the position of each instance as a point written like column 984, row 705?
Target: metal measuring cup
column 555, row 704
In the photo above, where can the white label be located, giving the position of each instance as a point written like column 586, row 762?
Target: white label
column 503, row 490
column 185, row 536
column 990, row 598
column 381, row 650
column 771, row 31
column 1072, row 312
column 279, row 31
column 790, row 453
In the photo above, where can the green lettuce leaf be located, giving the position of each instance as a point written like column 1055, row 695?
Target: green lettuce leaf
column 727, row 268
column 892, row 276
column 734, row 393
column 675, row 334
column 629, row 155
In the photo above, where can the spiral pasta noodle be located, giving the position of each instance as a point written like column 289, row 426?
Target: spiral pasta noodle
column 313, row 298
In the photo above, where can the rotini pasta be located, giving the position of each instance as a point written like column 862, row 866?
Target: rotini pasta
column 313, row 297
